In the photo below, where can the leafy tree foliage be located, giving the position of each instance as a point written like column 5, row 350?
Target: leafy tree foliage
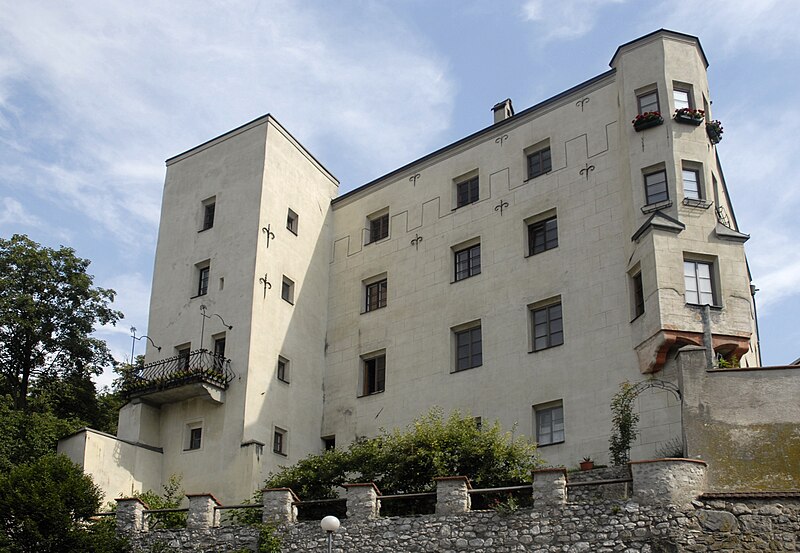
column 48, row 310
column 170, row 498
column 408, row 461
column 624, row 421
column 46, row 507
column 25, row 437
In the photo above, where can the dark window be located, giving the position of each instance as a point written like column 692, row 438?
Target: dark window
column 697, row 277
column 184, row 355
column 542, row 236
column 648, row 102
column 478, row 423
column 539, row 163
column 195, row 438
column 279, row 442
column 328, row 443
column 638, row 295
column 376, row 295
column 468, row 262
column 202, row 281
column 378, row 228
column 691, row 184
column 467, row 192
column 469, row 350
column 548, row 330
column 208, row 215
column 283, row 369
column 374, row 375
column 655, row 187
column 287, row 290
column 550, row 425
column 219, row 353
column 292, row 221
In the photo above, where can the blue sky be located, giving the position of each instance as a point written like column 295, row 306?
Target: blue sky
column 95, row 95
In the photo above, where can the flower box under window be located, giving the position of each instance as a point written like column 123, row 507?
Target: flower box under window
column 690, row 116
column 646, row 120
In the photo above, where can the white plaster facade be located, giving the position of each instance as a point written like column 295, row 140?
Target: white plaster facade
column 607, row 233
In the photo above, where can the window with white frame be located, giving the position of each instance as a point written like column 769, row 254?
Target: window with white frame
column 698, row 277
column 549, row 423
column 691, row 183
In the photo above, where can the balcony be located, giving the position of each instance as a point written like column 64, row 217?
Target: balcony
column 201, row 373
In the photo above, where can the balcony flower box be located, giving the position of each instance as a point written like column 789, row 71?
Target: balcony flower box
column 714, row 130
column 646, row 120
column 690, row 116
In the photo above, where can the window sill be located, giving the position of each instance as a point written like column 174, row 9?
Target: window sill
column 456, row 208
column 373, row 309
column 464, row 278
column 290, row 230
column 649, row 208
column 385, row 238
column 198, row 296
column 465, row 369
column 543, row 349
column 637, row 317
column 204, row 229
column 537, row 176
column 193, row 449
column 372, row 394
column 281, row 453
column 541, row 252
column 701, row 305
column 284, row 381
column 538, row 445
column 288, row 301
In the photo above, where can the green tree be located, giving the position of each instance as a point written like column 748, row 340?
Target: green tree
column 48, row 310
column 624, row 421
column 47, row 506
column 408, row 461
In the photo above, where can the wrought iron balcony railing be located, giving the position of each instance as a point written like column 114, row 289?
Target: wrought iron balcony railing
column 199, row 366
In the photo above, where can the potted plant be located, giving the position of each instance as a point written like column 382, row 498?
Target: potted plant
column 690, row 116
column 587, row 463
column 646, row 120
column 714, row 130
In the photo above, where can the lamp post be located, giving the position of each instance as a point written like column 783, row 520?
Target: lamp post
column 330, row 524
column 135, row 338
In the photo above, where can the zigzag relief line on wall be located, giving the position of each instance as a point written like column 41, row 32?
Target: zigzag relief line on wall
column 441, row 215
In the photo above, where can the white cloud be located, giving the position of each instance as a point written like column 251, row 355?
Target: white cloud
column 735, row 25
column 565, row 19
column 13, row 213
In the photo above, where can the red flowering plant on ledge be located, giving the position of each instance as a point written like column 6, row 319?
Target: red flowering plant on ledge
column 689, row 115
column 714, row 130
column 646, row 120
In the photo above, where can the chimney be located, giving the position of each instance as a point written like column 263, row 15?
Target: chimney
column 503, row 110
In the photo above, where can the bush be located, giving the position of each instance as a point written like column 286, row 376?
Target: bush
column 408, row 461
column 47, row 505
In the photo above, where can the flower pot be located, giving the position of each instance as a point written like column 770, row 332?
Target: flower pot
column 646, row 124
column 688, row 120
column 587, row 465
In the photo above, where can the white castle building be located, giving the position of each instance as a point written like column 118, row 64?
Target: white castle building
column 519, row 274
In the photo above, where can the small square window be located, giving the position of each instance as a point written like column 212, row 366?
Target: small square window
column 378, row 228
column 292, row 221
column 691, row 184
column 681, row 98
column 209, row 210
column 468, row 262
column 328, row 443
column 287, row 290
column 283, row 369
column 542, row 236
column 469, row 348
column 655, row 185
column 374, row 375
column 648, row 102
column 203, row 274
column 549, row 423
column 467, row 192
column 638, row 294
column 376, row 295
column 548, row 329
column 539, row 163
column 279, row 441
column 698, row 278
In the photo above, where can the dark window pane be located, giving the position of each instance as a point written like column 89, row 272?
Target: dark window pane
column 539, row 163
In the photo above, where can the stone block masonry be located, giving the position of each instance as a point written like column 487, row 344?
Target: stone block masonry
column 661, row 517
